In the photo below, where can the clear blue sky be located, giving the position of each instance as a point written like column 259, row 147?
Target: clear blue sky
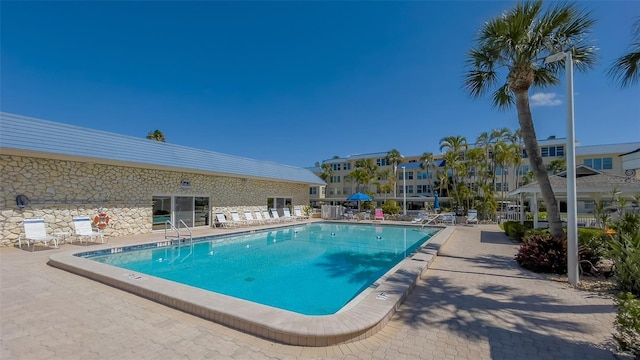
column 289, row 82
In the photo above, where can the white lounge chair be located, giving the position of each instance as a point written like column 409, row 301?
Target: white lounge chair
column 249, row 218
column 35, row 230
column 258, row 216
column 83, row 228
column 287, row 215
column 448, row 218
column 422, row 215
column 472, row 216
column 222, row 220
column 275, row 215
column 298, row 213
column 235, row 217
column 267, row 217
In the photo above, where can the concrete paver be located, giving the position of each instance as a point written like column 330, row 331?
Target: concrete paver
column 473, row 303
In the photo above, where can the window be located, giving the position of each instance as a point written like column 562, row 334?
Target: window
column 523, row 170
column 524, row 154
column 324, row 190
column 409, row 189
column 409, row 175
column 588, row 162
column 313, row 190
column 552, row 151
column 381, row 162
column 335, row 179
column 560, row 150
column 599, row 163
column 422, row 175
column 499, row 171
column 347, row 191
column 347, row 166
column 544, row 151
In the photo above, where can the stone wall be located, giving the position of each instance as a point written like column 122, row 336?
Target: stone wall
column 61, row 189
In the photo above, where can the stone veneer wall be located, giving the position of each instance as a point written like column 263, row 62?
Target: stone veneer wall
column 62, row 189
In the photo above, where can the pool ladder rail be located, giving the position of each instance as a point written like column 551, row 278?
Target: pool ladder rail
column 168, row 224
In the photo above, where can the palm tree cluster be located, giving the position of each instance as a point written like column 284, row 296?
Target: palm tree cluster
column 469, row 172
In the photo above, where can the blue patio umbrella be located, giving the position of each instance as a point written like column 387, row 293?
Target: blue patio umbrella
column 436, row 202
column 359, row 197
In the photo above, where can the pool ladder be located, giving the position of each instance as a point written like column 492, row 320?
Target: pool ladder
column 168, row 224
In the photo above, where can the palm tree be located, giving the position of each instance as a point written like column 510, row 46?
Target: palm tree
column 519, row 40
column 626, row 69
column 156, row 135
column 394, row 158
column 327, row 172
column 557, row 165
column 425, row 163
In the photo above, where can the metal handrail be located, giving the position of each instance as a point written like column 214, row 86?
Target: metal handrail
column 188, row 229
column 168, row 222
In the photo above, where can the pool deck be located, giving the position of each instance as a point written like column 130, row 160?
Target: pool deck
column 473, row 302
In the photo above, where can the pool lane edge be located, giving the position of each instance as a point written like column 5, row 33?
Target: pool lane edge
column 358, row 322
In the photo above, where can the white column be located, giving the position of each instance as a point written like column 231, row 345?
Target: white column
column 572, row 216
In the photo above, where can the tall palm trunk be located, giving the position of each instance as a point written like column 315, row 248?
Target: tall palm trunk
column 535, row 160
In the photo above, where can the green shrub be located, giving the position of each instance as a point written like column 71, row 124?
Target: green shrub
column 592, row 244
column 624, row 250
column 390, row 207
column 514, row 229
column 628, row 323
column 543, row 253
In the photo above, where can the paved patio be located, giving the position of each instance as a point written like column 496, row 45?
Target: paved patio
column 473, row 303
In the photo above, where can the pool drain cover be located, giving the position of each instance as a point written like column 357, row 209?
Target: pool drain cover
column 249, row 279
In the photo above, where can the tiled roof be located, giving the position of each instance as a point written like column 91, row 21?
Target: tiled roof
column 47, row 137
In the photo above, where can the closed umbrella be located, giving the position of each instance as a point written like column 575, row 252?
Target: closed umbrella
column 436, row 202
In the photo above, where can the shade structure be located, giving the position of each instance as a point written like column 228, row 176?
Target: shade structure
column 359, row 197
column 436, row 202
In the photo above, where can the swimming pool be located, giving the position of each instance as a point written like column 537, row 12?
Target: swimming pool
column 361, row 318
column 314, row 269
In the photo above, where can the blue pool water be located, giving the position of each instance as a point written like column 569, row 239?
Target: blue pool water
column 312, row 269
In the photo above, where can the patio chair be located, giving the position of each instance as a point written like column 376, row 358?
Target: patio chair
column 258, row 217
column 287, row 215
column 298, row 213
column 35, row 230
column 275, row 215
column 472, row 216
column 249, row 218
column 235, row 217
column 378, row 215
column 422, row 215
column 448, row 218
column 222, row 220
column 267, row 217
column 83, row 228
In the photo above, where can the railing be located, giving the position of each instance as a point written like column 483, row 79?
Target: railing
column 177, row 230
column 168, row 222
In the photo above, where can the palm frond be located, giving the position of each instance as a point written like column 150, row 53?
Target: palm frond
column 626, row 70
column 503, row 98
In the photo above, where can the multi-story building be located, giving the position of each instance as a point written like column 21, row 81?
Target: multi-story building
column 616, row 159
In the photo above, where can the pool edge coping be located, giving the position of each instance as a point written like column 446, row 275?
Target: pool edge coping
column 360, row 321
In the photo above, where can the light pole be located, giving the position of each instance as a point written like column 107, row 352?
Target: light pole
column 572, row 215
column 404, row 191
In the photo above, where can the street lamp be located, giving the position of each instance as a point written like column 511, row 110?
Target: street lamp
column 404, row 191
column 572, row 215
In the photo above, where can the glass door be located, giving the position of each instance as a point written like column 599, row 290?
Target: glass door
column 161, row 211
column 183, row 210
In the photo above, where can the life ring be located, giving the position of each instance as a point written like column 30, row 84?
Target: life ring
column 101, row 220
